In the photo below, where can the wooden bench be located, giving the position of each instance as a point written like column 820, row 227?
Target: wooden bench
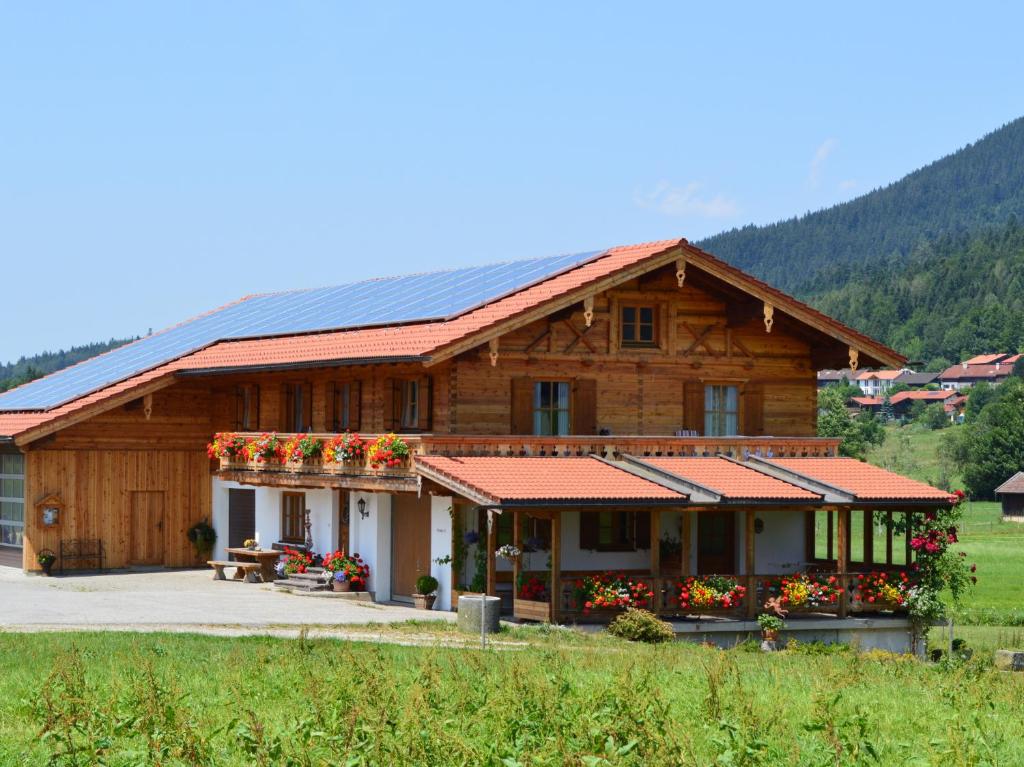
column 78, row 551
column 251, row 570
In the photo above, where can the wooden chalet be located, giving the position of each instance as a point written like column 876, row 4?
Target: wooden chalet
column 647, row 409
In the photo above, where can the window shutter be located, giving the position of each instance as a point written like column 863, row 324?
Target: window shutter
column 287, row 417
column 331, row 410
column 254, row 402
column 307, row 407
column 588, row 530
column 584, row 406
column 426, row 404
column 392, row 403
column 693, row 406
column 522, row 406
column 354, row 402
column 643, row 529
column 753, row 410
column 239, row 408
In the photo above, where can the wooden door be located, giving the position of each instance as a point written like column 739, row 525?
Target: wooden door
column 716, row 542
column 410, row 543
column 146, row 540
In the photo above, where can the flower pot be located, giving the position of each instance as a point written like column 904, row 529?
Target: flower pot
column 341, row 587
column 769, row 635
column 48, row 568
column 424, row 601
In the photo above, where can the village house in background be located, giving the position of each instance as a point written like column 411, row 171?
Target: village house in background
column 645, row 410
column 1011, row 496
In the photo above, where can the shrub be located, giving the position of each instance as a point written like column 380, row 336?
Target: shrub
column 426, row 584
column 641, row 626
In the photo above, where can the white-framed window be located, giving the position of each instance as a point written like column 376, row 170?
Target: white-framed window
column 721, row 410
column 12, row 499
column 551, row 408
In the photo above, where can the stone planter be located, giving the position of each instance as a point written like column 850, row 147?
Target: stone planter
column 424, row 601
column 469, row 613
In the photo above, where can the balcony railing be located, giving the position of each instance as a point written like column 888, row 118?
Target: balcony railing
column 519, row 445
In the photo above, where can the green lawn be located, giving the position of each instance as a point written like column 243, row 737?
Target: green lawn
column 913, row 451
column 130, row 699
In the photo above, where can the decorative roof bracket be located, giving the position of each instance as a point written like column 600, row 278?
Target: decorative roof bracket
column 588, row 310
column 854, row 358
column 680, row 271
column 493, row 346
column 769, row 317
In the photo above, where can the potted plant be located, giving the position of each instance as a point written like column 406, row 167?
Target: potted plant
column 229, row 448
column 770, row 625
column 202, row 537
column 46, row 558
column 508, row 552
column 251, row 543
column 265, row 449
column 344, row 451
column 303, row 453
column 348, row 572
column 710, row 592
column 426, row 592
column 389, row 452
column 882, row 591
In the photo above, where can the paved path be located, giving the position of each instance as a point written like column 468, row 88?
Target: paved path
column 177, row 600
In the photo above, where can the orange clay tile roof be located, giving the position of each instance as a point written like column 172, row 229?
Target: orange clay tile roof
column 975, row 371
column 881, row 375
column 937, row 396
column 985, row 359
column 533, row 479
column 866, row 482
column 867, row 401
column 731, row 480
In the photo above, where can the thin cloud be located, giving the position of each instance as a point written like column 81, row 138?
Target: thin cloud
column 847, row 184
column 821, row 154
column 686, row 200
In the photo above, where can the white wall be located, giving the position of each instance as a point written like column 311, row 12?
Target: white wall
column 441, row 547
column 370, row 538
column 780, row 547
column 324, row 516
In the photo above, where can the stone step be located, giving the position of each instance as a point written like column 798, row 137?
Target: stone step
column 311, row 575
column 301, row 584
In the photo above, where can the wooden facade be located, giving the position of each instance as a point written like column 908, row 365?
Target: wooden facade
column 136, row 474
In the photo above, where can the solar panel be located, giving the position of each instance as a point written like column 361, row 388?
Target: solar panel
column 384, row 301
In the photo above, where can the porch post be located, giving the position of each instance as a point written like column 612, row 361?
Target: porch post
column 750, row 564
column 655, row 542
column 842, row 543
column 517, row 541
column 685, row 543
column 492, row 545
column 556, row 565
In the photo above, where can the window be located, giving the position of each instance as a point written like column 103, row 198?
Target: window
column 551, row 408
column 247, row 407
column 297, row 407
column 410, row 405
column 343, row 406
column 614, row 530
column 293, row 517
column 12, row 498
column 638, row 326
column 721, row 411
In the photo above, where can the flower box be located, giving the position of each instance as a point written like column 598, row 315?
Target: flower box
column 343, row 467
column 532, row 610
column 305, row 466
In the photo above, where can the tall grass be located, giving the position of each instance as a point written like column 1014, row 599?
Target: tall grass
column 122, row 699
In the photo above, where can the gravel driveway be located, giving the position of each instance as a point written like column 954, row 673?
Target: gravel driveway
column 176, row 600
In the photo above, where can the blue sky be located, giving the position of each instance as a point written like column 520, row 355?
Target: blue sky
column 158, row 159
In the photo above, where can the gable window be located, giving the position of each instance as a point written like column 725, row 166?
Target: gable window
column 551, row 408
column 408, row 404
column 297, row 407
column 638, row 326
column 721, row 411
column 247, row 407
column 12, row 498
column 614, row 530
column 343, row 405
column 293, row 517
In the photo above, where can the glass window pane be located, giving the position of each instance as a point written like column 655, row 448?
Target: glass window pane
column 730, row 426
column 563, row 395
column 628, row 315
column 563, row 423
column 821, row 534
column 647, row 333
column 731, row 398
column 647, row 315
column 10, row 535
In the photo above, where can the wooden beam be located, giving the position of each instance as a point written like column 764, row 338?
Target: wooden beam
column 492, row 546
column 556, row 567
column 750, row 563
column 700, row 339
column 655, row 542
column 842, row 543
column 517, row 541
column 579, row 337
column 685, row 544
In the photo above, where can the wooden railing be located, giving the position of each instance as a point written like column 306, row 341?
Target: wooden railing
column 759, row 588
column 606, row 447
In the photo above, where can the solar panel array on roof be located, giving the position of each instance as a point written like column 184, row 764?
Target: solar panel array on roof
column 385, row 301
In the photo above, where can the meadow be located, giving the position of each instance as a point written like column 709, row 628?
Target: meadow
column 563, row 698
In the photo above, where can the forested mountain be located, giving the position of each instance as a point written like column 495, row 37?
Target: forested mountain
column 947, row 300
column 29, row 368
column 980, row 186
